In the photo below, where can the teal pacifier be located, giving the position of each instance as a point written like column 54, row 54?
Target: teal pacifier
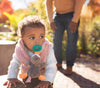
column 37, row 48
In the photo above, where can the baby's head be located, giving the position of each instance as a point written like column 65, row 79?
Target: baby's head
column 32, row 31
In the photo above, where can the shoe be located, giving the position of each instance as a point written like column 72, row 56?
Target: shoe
column 68, row 71
column 59, row 67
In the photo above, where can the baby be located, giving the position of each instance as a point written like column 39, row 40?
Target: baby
column 31, row 31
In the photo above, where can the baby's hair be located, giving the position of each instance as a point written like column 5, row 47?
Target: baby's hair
column 30, row 21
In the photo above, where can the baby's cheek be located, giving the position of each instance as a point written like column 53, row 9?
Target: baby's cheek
column 29, row 45
column 42, row 41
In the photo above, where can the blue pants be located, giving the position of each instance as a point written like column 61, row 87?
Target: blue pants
column 62, row 22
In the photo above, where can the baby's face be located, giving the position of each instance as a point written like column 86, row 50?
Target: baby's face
column 33, row 36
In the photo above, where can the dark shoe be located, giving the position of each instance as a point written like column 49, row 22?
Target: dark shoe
column 68, row 71
column 59, row 67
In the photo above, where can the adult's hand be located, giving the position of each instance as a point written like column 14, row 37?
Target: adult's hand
column 53, row 26
column 73, row 26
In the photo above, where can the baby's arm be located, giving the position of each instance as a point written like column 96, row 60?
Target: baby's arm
column 13, row 67
column 13, row 72
column 51, row 68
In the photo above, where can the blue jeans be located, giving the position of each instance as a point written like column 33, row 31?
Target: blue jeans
column 62, row 22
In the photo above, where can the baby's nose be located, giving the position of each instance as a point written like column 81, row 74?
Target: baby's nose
column 37, row 42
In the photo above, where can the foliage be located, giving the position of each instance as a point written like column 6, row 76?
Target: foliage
column 89, row 36
column 64, row 44
column 8, row 36
column 40, row 6
column 94, row 41
column 95, row 7
column 32, row 10
column 83, row 35
column 5, row 6
column 13, row 20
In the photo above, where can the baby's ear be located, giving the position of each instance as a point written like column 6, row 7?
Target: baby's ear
column 35, row 59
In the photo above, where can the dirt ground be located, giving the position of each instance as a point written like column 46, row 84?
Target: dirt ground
column 86, row 75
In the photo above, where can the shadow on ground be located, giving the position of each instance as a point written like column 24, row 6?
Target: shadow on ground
column 83, row 82
column 90, row 62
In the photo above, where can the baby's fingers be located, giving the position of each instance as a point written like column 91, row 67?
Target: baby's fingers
column 9, row 85
column 14, row 84
column 20, row 81
column 5, row 83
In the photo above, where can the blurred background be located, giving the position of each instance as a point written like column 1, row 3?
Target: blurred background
column 12, row 11
column 87, row 65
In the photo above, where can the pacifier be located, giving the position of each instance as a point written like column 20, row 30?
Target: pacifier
column 37, row 48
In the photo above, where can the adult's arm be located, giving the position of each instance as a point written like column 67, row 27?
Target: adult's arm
column 77, row 10
column 49, row 10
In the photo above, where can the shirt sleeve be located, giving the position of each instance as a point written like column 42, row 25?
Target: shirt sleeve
column 51, row 68
column 49, row 10
column 13, row 68
column 77, row 10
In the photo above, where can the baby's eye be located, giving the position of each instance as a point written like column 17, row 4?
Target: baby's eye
column 41, row 37
column 32, row 38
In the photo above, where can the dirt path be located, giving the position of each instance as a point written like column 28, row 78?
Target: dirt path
column 86, row 75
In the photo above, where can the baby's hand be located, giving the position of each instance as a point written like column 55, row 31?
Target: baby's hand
column 11, row 82
column 43, row 84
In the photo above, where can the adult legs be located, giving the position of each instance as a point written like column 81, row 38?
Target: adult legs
column 71, row 49
column 57, row 41
column 58, row 37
